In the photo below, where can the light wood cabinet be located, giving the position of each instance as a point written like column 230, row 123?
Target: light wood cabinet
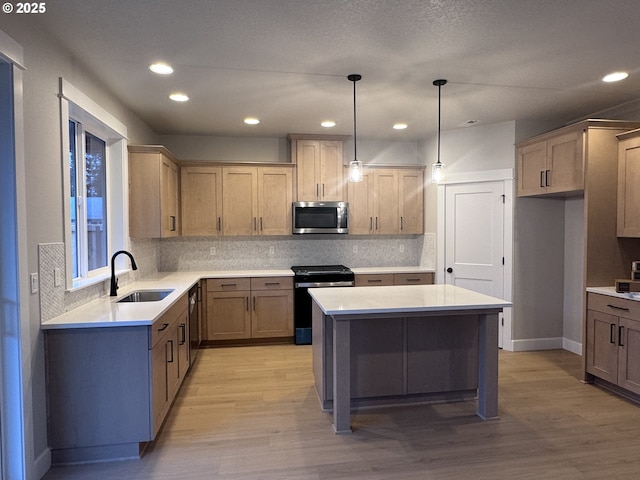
column 244, row 308
column 382, row 279
column 153, row 192
column 201, row 200
column 613, row 340
column 388, row 201
column 256, row 200
column 628, row 223
column 552, row 164
column 319, row 167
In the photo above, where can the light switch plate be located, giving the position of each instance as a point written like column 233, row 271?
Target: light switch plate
column 34, row 282
column 57, row 277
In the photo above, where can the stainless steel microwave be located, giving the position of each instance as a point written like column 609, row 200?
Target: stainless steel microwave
column 320, row 217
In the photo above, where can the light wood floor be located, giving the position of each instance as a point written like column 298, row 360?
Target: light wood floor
column 252, row 413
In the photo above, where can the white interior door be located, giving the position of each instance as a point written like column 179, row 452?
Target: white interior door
column 474, row 238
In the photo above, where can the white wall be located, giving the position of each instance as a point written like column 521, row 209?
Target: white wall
column 45, row 61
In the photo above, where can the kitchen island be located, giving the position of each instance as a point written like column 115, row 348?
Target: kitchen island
column 400, row 344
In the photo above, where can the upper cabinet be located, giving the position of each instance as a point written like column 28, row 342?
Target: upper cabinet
column 388, row 201
column 552, row 164
column 629, row 184
column 201, row 200
column 153, row 192
column 319, row 167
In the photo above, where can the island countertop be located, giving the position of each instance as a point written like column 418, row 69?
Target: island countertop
column 401, row 299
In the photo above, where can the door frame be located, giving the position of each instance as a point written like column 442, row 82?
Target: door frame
column 507, row 176
column 16, row 431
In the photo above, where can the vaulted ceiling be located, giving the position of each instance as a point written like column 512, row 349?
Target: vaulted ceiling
column 286, row 61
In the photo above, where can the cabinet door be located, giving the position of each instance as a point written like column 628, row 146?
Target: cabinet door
column 411, row 184
column 331, row 171
column 374, row 279
column 602, row 347
column 386, row 210
column 532, row 166
column 239, row 201
column 629, row 355
column 169, row 198
column 184, row 354
column 413, row 278
column 201, row 201
column 159, row 401
column 360, row 197
column 173, row 366
column 308, row 170
column 275, row 194
column 565, row 162
column 628, row 188
column 228, row 315
column 272, row 314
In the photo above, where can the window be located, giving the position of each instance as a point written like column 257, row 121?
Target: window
column 94, row 187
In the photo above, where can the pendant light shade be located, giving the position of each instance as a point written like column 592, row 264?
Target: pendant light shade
column 437, row 169
column 355, row 165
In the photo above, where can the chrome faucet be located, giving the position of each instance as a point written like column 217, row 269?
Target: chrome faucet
column 114, row 279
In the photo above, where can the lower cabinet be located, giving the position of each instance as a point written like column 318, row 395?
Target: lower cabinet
column 247, row 308
column 109, row 389
column 613, row 340
column 381, row 279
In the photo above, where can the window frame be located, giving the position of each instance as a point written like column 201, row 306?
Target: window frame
column 77, row 106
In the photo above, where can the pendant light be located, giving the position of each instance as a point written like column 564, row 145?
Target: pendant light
column 355, row 165
column 437, row 170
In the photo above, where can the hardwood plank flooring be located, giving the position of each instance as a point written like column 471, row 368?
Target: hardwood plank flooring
column 252, row 413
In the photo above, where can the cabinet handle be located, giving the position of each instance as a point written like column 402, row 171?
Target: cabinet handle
column 620, row 335
column 323, row 190
column 413, row 279
column 260, row 223
column 223, row 285
column 254, row 303
column 547, row 175
column 401, row 223
column 615, row 307
column 254, row 224
column 246, row 301
column 612, row 333
column 273, row 284
column 172, row 219
column 370, row 223
column 183, row 338
column 376, row 223
column 541, row 178
column 219, row 223
column 171, row 359
column 317, row 190
column 374, row 280
column 164, row 327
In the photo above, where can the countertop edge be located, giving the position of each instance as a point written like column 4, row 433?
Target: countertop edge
column 611, row 292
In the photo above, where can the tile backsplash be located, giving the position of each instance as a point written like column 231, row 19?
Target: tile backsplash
column 233, row 253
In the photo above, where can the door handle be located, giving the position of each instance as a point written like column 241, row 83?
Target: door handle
column 449, row 270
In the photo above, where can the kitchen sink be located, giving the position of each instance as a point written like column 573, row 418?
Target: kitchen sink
column 145, row 296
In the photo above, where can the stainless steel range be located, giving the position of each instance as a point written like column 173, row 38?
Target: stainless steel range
column 313, row 276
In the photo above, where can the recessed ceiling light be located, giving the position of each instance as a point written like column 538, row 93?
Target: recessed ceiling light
column 615, row 77
column 400, row 126
column 251, row 121
column 161, row 68
column 328, row 124
column 179, row 97
column 468, row 123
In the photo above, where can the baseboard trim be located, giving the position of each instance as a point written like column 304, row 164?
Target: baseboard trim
column 555, row 343
column 42, row 464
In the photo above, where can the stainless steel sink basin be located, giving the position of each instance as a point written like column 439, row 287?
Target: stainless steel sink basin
column 145, row 296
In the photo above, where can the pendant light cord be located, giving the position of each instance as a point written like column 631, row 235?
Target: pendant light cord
column 354, row 77
column 439, row 84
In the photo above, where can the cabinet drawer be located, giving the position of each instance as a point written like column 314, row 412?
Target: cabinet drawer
column 271, row 283
column 374, row 279
column 613, row 305
column 228, row 284
column 413, row 278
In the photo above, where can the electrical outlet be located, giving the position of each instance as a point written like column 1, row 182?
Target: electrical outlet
column 212, row 251
column 401, row 248
column 34, row 282
column 272, row 250
column 355, row 249
column 57, row 277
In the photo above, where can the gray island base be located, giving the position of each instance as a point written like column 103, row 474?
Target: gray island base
column 404, row 344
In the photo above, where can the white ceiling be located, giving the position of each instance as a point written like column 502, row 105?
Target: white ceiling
column 286, row 61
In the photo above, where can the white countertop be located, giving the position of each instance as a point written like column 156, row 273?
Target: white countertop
column 611, row 291
column 401, row 298
column 106, row 312
column 371, row 270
